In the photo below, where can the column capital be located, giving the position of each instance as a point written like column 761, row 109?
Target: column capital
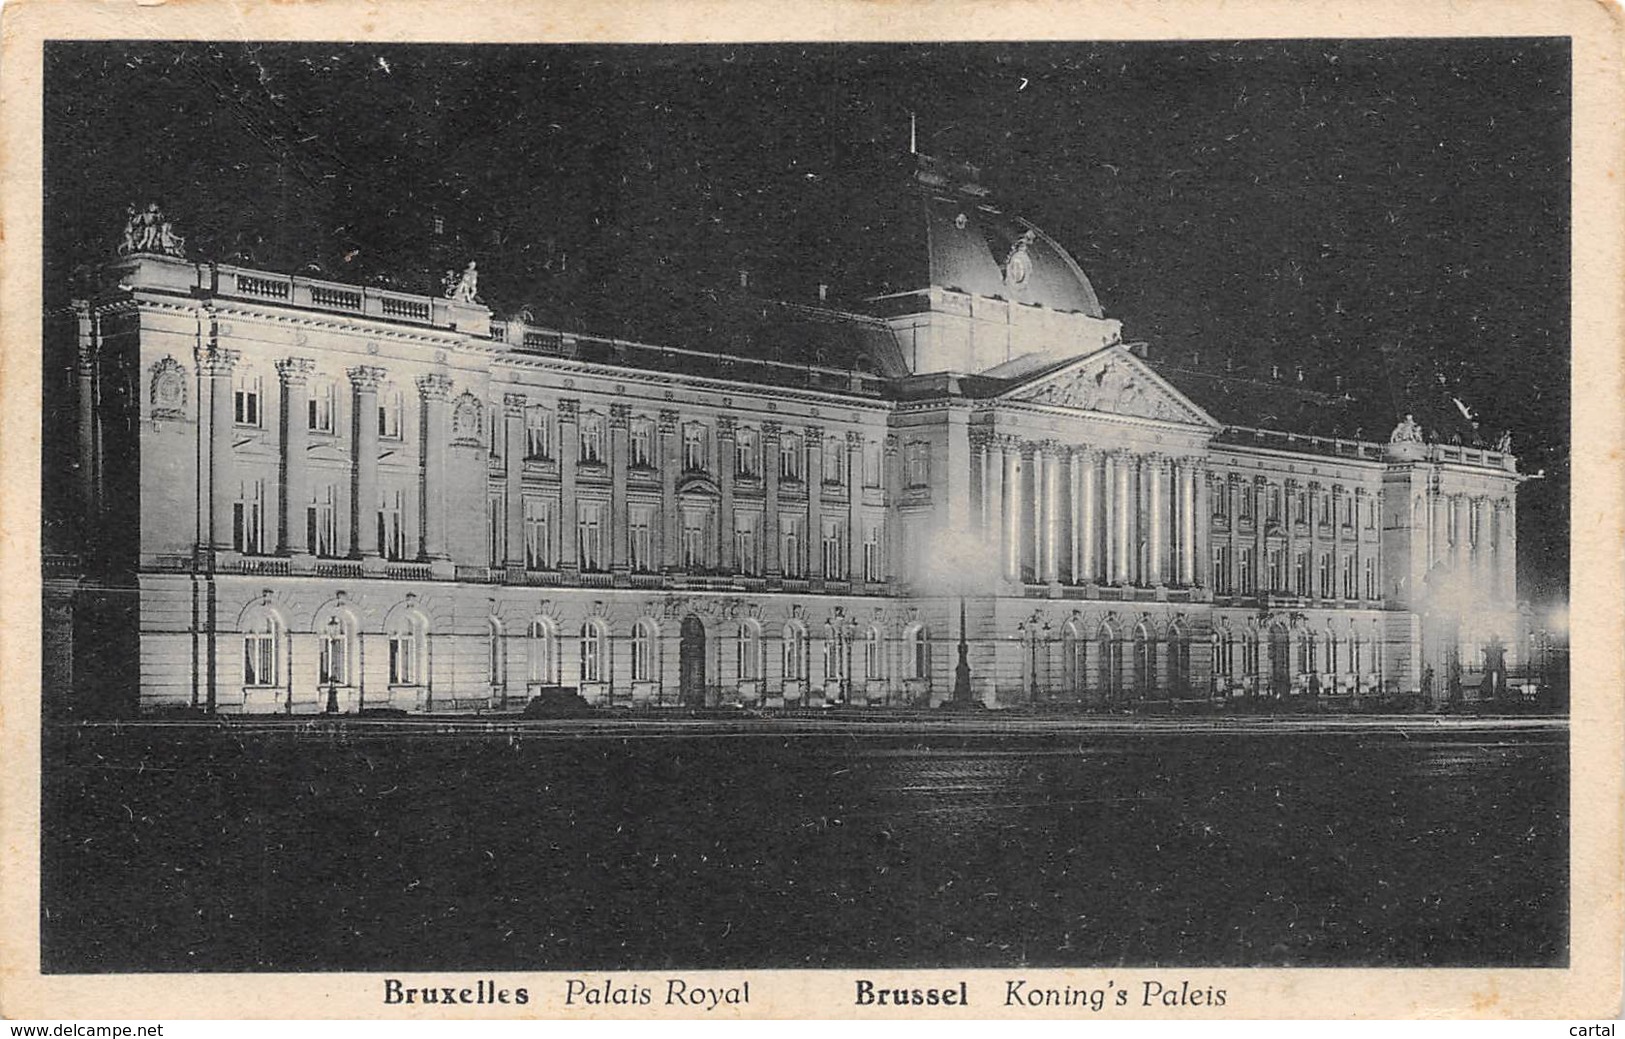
column 620, row 416
column 1337, row 490
column 294, row 371
column 1261, row 480
column 1083, row 453
column 1360, row 492
column 814, row 433
column 770, row 430
column 434, row 386
column 1158, row 461
column 1050, row 447
column 854, row 440
column 891, row 443
column 365, row 377
column 514, row 403
column 1480, row 499
column 569, row 409
column 726, row 426
column 1314, row 486
column 668, row 420
column 980, row 436
column 216, row 360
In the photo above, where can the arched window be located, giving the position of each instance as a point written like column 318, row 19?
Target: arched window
column 1074, row 660
column 542, row 652
column 262, row 649
column 1111, row 663
column 335, row 636
column 750, row 651
column 795, row 652
column 873, row 656
column 645, row 651
column 919, row 657
column 1311, row 655
column 1332, row 656
column 1356, row 663
column 594, row 653
column 496, row 657
column 406, row 651
column 1179, row 661
column 1145, row 662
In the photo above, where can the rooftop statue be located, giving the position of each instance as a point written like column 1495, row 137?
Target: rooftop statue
column 463, row 287
column 147, row 231
column 1407, row 432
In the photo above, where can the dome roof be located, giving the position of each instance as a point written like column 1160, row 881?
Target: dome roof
column 978, row 249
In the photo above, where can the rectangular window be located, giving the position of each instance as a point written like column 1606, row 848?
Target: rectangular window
column 259, row 658
column 389, row 415
column 1246, row 508
column 834, row 462
column 592, row 438
column 834, row 557
column 791, row 546
column 246, row 400
column 640, row 540
column 745, row 555
column 495, row 430
column 392, row 526
column 694, row 448
column 1221, row 500
column 1371, row 515
column 747, row 453
column 403, row 659
column 248, row 518
column 1370, row 579
column 496, row 530
column 1245, row 572
column 1300, row 507
column 1300, row 575
column 917, row 464
column 320, row 406
column 538, row 433
column 590, row 537
column 873, row 570
column 1221, row 570
column 1277, row 574
column 539, row 541
column 642, row 444
column 321, row 524
column 1325, row 568
column 1348, row 577
column 873, row 467
column 1274, row 513
column 790, row 457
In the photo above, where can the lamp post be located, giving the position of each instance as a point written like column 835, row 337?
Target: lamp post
column 334, row 632
column 962, row 669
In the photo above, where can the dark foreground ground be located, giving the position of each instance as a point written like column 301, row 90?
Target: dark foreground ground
column 797, row 843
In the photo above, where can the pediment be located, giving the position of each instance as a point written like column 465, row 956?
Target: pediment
column 1113, row 382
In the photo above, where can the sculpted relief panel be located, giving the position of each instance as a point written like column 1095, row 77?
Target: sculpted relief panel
column 1114, row 387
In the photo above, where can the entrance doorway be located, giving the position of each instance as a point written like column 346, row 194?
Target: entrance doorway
column 691, row 663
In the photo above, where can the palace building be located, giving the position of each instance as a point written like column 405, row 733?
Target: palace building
column 270, row 493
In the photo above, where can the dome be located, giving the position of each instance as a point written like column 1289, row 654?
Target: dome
column 977, row 249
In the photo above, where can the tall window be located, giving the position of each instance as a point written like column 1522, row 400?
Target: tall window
column 1221, row 569
column 496, row 659
column 333, row 656
column 795, row 652
column 834, row 555
column 643, row 444
column 640, row 540
column 745, row 554
column 406, row 652
column 248, row 518
column 594, row 653
column 836, row 655
column 1277, row 571
column 645, row 651
column 322, row 404
column 919, row 655
column 262, row 649
column 1325, row 513
column 792, row 546
column 1332, row 660
column 1311, row 655
column 697, row 539
column 1246, row 571
column 245, row 399
column 834, row 462
column 392, row 526
column 1325, row 569
column 1370, row 579
column 496, row 429
column 1249, row 654
column 1221, row 502
column 747, row 452
column 1145, row 662
column 1273, row 513
column 790, row 456
column 539, row 540
column 1370, row 515
column 542, row 652
column 1300, row 506
column 874, row 656
column 592, row 437
column 1348, row 577
column 1224, row 654
column 1179, row 661
column 1246, row 510
column 389, row 413
column 1111, row 663
column 873, row 570
column 694, row 448
column 590, row 536
column 750, row 651
column 1300, row 575
column 321, row 522
column 538, row 432
column 917, row 463
column 873, row 466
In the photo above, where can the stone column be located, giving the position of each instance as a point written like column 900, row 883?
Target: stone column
column 1483, row 572
column 1012, row 510
column 1125, row 551
column 434, row 390
column 294, row 374
column 217, row 364
column 85, row 370
column 727, row 469
column 1438, row 525
column 1357, row 544
column 854, row 505
column 513, row 449
column 1233, row 489
column 770, row 493
column 1458, row 534
column 993, row 495
column 620, row 460
column 569, row 458
column 1506, row 551
column 364, row 381
column 1052, row 512
column 1084, row 462
column 894, row 495
column 1202, row 533
column 671, row 518
column 1157, row 467
column 1036, row 513
column 1108, row 514
column 813, row 471
column 1338, row 491
column 1187, row 522
column 1260, row 493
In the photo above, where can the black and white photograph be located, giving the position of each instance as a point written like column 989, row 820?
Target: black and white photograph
column 572, row 508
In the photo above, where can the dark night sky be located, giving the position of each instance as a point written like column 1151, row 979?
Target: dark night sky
column 1395, row 211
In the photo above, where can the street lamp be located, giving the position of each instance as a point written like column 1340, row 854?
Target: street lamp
column 957, row 566
column 962, row 669
column 334, row 632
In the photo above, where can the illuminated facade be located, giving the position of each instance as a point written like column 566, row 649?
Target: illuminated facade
column 283, row 494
